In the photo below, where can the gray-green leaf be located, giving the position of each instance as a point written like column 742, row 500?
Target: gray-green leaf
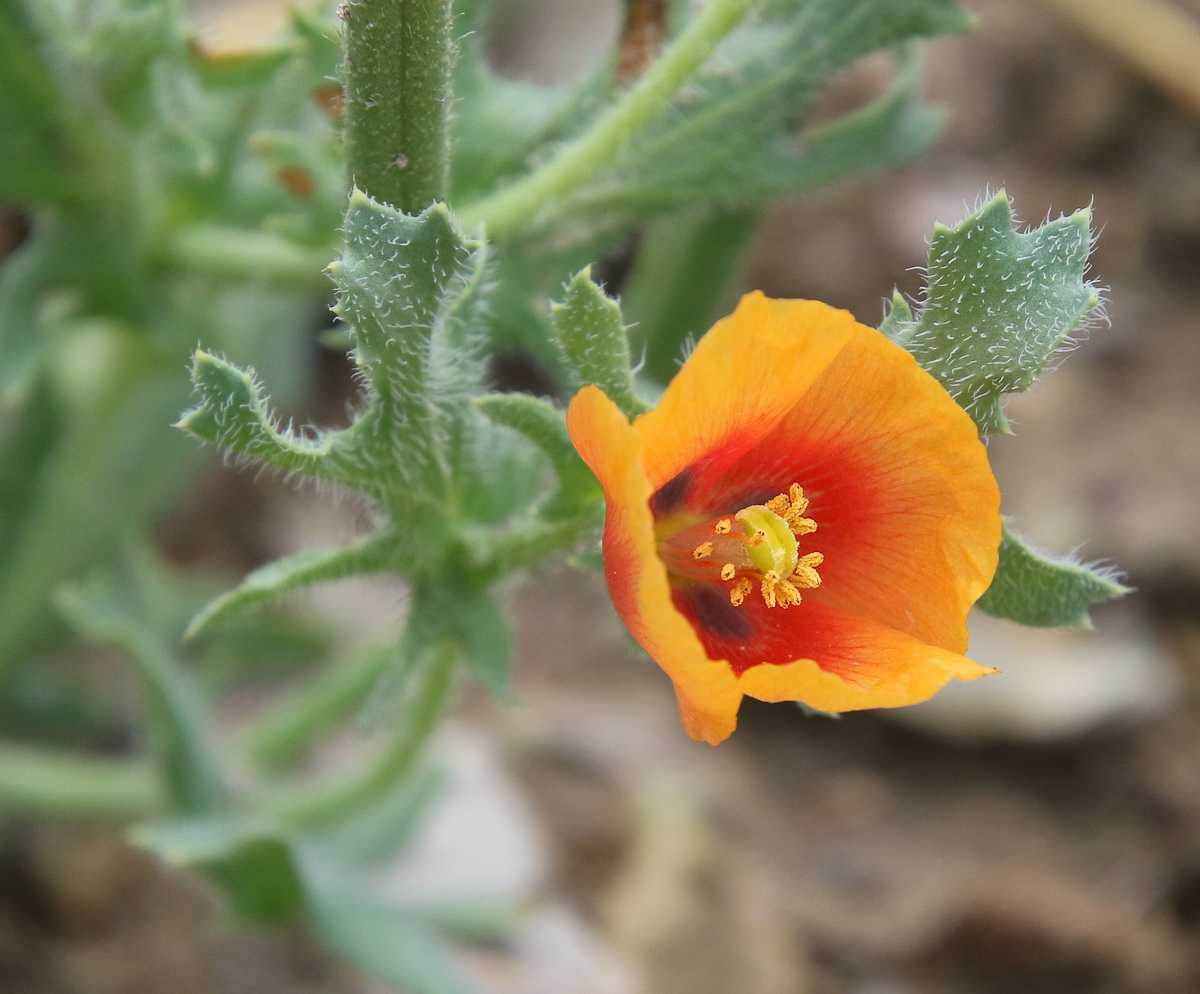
column 410, row 288
column 1034, row 588
column 375, row 553
column 593, row 338
column 999, row 304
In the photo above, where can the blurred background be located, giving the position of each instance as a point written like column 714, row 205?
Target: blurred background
column 1038, row 831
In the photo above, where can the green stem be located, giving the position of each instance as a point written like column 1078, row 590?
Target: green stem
column 605, row 141
column 327, row 803
column 69, row 785
column 397, row 75
column 685, row 276
column 518, row 548
column 245, row 255
column 294, row 724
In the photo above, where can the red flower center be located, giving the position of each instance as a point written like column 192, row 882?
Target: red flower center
column 759, row 544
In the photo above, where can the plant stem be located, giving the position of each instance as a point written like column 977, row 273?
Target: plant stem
column 69, row 785
column 293, row 724
column 520, row 547
column 685, row 274
column 240, row 254
column 605, row 141
column 397, row 76
column 327, row 803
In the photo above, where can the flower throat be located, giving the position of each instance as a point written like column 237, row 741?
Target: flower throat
column 759, row 544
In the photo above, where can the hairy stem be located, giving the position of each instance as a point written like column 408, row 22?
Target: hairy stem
column 607, row 138
column 397, row 77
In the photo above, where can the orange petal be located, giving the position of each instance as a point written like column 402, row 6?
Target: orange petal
column 740, row 381
column 851, row 663
column 637, row 580
column 907, row 507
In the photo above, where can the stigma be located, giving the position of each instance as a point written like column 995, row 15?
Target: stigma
column 756, row 547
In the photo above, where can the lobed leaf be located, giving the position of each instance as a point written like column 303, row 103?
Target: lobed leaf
column 729, row 137
column 1034, row 588
column 593, row 339
column 465, row 613
column 388, row 941
column 233, row 414
column 998, row 304
column 379, row 551
column 411, row 288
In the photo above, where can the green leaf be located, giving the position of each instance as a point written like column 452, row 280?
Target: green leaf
column 26, row 276
column 233, row 413
column 735, row 135
column 999, row 303
column 544, row 425
column 105, row 611
column 297, row 720
column 412, row 288
column 375, row 553
column 500, row 125
column 381, row 938
column 254, row 866
column 380, row 832
column 592, row 335
column 887, row 133
column 465, row 613
column 1034, row 588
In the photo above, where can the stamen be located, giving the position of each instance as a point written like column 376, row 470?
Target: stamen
column 757, row 547
column 740, row 589
column 770, row 581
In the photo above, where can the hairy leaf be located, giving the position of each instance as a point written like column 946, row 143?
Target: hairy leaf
column 1035, row 588
column 411, row 288
column 998, row 305
column 593, row 338
column 379, row 551
column 544, row 425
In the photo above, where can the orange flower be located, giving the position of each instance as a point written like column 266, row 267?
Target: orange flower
column 806, row 516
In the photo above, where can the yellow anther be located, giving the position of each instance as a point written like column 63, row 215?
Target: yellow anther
column 757, row 538
column 779, row 505
column 740, row 589
column 702, row 551
column 723, row 526
column 769, row 582
column 796, row 496
column 806, row 578
column 728, row 571
column 812, row 559
column 787, row 594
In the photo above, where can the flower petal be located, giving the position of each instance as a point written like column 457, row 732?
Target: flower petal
column 899, row 483
column 740, row 381
column 844, row 663
column 637, row 580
